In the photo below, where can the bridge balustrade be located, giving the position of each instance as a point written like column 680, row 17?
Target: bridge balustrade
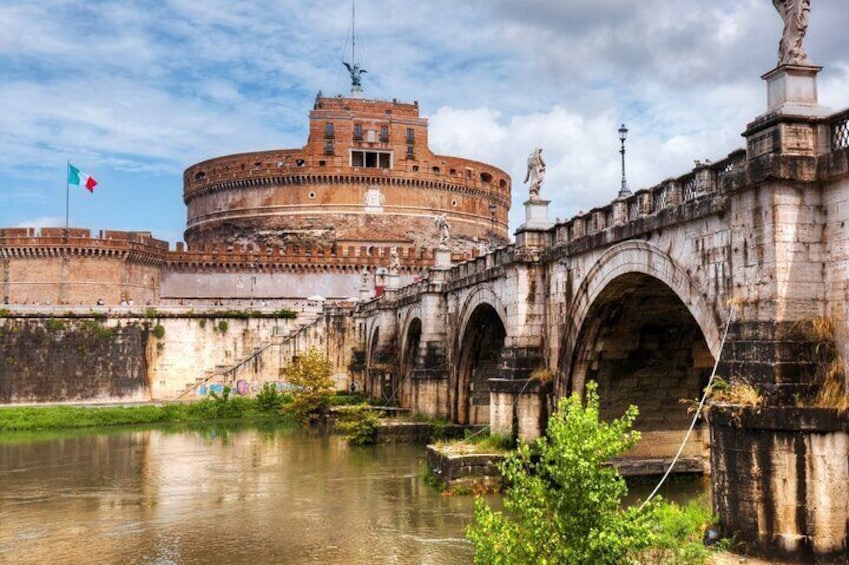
column 658, row 199
column 840, row 130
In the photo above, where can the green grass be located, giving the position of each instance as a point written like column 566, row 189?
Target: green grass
column 210, row 409
column 17, row 419
column 678, row 532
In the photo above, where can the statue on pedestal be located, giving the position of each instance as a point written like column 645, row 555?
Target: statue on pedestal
column 394, row 261
column 443, row 227
column 355, row 71
column 795, row 15
column 536, row 173
column 365, row 277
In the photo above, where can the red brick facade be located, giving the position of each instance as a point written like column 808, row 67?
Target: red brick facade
column 365, row 177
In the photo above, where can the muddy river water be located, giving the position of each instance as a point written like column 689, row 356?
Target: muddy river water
column 221, row 495
column 238, row 494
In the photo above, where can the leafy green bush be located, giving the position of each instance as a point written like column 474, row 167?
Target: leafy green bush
column 285, row 314
column 564, row 504
column 359, row 424
column 346, row 399
column 54, row 325
column 158, row 331
column 4, row 313
column 314, row 388
column 678, row 532
column 95, row 328
column 222, row 326
column 269, row 399
column 223, row 406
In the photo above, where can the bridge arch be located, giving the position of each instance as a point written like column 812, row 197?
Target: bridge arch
column 376, row 377
column 482, row 331
column 411, row 336
column 640, row 328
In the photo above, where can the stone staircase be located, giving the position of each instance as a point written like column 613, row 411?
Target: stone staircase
column 221, row 375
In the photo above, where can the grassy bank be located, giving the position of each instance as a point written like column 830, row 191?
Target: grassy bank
column 267, row 405
column 59, row 417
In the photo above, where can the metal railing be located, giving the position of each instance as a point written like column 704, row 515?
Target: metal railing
column 840, row 131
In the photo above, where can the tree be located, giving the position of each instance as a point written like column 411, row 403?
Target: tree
column 314, row 388
column 563, row 504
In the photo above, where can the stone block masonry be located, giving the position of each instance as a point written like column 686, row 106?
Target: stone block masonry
column 70, row 357
column 73, row 360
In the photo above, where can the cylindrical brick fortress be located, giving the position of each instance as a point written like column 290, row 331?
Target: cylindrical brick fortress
column 365, row 177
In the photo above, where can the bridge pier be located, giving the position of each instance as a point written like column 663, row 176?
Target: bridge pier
column 430, row 373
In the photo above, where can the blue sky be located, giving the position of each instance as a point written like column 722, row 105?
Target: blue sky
column 133, row 92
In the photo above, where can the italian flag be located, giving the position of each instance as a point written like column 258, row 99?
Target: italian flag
column 80, row 179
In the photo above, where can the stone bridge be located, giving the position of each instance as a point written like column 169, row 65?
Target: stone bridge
column 636, row 294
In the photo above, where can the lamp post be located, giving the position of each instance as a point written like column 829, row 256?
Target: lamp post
column 623, row 134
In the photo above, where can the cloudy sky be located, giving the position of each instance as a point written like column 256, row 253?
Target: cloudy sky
column 133, row 91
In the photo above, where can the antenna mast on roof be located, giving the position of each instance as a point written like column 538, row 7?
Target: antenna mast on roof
column 353, row 68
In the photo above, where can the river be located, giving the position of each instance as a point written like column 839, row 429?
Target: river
column 223, row 494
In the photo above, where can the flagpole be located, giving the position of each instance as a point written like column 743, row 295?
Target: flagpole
column 67, row 197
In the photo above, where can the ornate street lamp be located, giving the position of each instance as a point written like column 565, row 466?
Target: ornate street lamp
column 623, row 134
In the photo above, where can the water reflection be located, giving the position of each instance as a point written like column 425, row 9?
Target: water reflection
column 222, row 495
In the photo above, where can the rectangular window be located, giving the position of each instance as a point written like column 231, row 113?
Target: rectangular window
column 411, row 136
column 410, row 154
column 371, row 159
column 328, row 147
column 328, row 130
column 358, row 132
column 384, row 134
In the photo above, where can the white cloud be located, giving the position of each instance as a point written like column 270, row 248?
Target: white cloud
column 42, row 222
column 165, row 84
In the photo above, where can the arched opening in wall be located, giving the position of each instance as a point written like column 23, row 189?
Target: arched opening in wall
column 408, row 362
column 480, row 349
column 642, row 346
column 375, row 385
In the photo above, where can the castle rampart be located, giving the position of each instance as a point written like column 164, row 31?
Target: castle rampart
column 366, row 170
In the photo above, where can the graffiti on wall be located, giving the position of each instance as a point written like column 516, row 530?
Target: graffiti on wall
column 243, row 388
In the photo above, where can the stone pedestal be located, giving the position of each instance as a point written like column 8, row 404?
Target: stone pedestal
column 393, row 281
column 790, row 124
column 442, row 259
column 533, row 232
column 536, row 215
column 365, row 294
column 792, row 89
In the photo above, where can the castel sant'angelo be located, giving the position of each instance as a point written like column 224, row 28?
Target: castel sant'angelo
column 362, row 198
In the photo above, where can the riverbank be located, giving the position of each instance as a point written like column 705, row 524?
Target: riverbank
column 29, row 418
column 268, row 406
